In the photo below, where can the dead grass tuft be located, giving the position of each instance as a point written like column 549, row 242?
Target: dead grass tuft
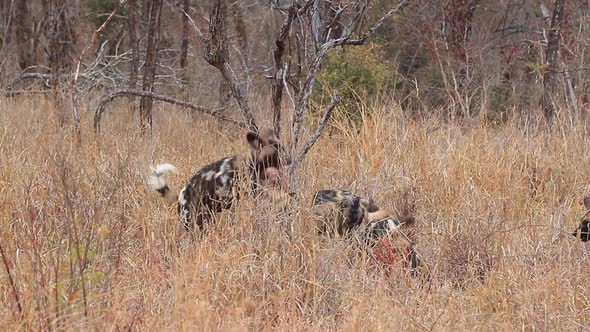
column 89, row 247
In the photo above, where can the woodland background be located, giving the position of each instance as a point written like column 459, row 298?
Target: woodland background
column 469, row 114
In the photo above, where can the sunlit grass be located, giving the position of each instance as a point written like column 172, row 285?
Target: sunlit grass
column 90, row 247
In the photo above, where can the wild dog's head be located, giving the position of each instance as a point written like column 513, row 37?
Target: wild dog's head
column 392, row 240
column 583, row 230
column 265, row 152
column 399, row 229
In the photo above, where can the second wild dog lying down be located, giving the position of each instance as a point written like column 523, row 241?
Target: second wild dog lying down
column 212, row 188
column 342, row 212
column 583, row 229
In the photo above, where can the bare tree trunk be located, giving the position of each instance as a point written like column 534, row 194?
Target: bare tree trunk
column 458, row 20
column 570, row 93
column 144, row 17
column 55, row 34
column 224, row 93
column 6, row 15
column 224, row 87
column 216, row 55
column 149, row 76
column 134, row 44
column 59, row 41
column 277, row 82
column 550, row 76
column 185, row 31
column 242, row 41
column 23, row 33
column 241, row 34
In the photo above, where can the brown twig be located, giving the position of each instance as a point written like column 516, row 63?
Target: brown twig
column 371, row 31
column 72, row 87
column 10, row 279
column 320, row 128
column 310, row 142
column 100, row 109
column 24, row 92
column 93, row 39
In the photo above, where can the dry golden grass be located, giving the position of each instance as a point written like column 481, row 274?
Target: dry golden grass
column 89, row 247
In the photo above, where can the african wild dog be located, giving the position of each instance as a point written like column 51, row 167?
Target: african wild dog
column 213, row 188
column 392, row 239
column 583, row 230
column 340, row 211
column 343, row 212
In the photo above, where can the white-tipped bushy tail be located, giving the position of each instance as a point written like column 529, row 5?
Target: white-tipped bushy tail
column 157, row 181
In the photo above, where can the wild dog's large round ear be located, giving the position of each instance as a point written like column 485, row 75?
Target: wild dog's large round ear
column 585, row 230
column 372, row 206
column 407, row 220
column 253, row 139
column 586, row 202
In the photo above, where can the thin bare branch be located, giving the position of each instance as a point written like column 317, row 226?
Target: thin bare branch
column 192, row 22
column 72, row 91
column 307, row 89
column 93, row 39
column 100, row 109
column 305, row 7
column 296, row 160
column 13, row 93
column 320, row 128
column 346, row 40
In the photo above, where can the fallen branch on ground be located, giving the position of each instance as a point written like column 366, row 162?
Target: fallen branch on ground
column 100, row 109
column 27, row 76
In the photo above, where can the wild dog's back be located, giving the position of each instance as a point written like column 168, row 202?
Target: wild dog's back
column 389, row 238
column 345, row 209
column 209, row 190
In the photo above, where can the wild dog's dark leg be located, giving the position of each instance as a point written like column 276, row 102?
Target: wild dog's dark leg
column 585, row 231
column 414, row 261
column 184, row 208
column 201, row 217
column 208, row 207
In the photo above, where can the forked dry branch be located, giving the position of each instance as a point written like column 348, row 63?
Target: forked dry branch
column 218, row 113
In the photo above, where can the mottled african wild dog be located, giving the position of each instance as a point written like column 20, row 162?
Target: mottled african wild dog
column 213, row 188
column 583, row 230
column 342, row 212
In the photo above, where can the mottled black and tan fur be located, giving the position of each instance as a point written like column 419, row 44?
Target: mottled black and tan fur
column 342, row 212
column 213, row 187
column 583, row 230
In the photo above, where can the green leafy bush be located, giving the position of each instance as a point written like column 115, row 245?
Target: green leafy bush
column 357, row 73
